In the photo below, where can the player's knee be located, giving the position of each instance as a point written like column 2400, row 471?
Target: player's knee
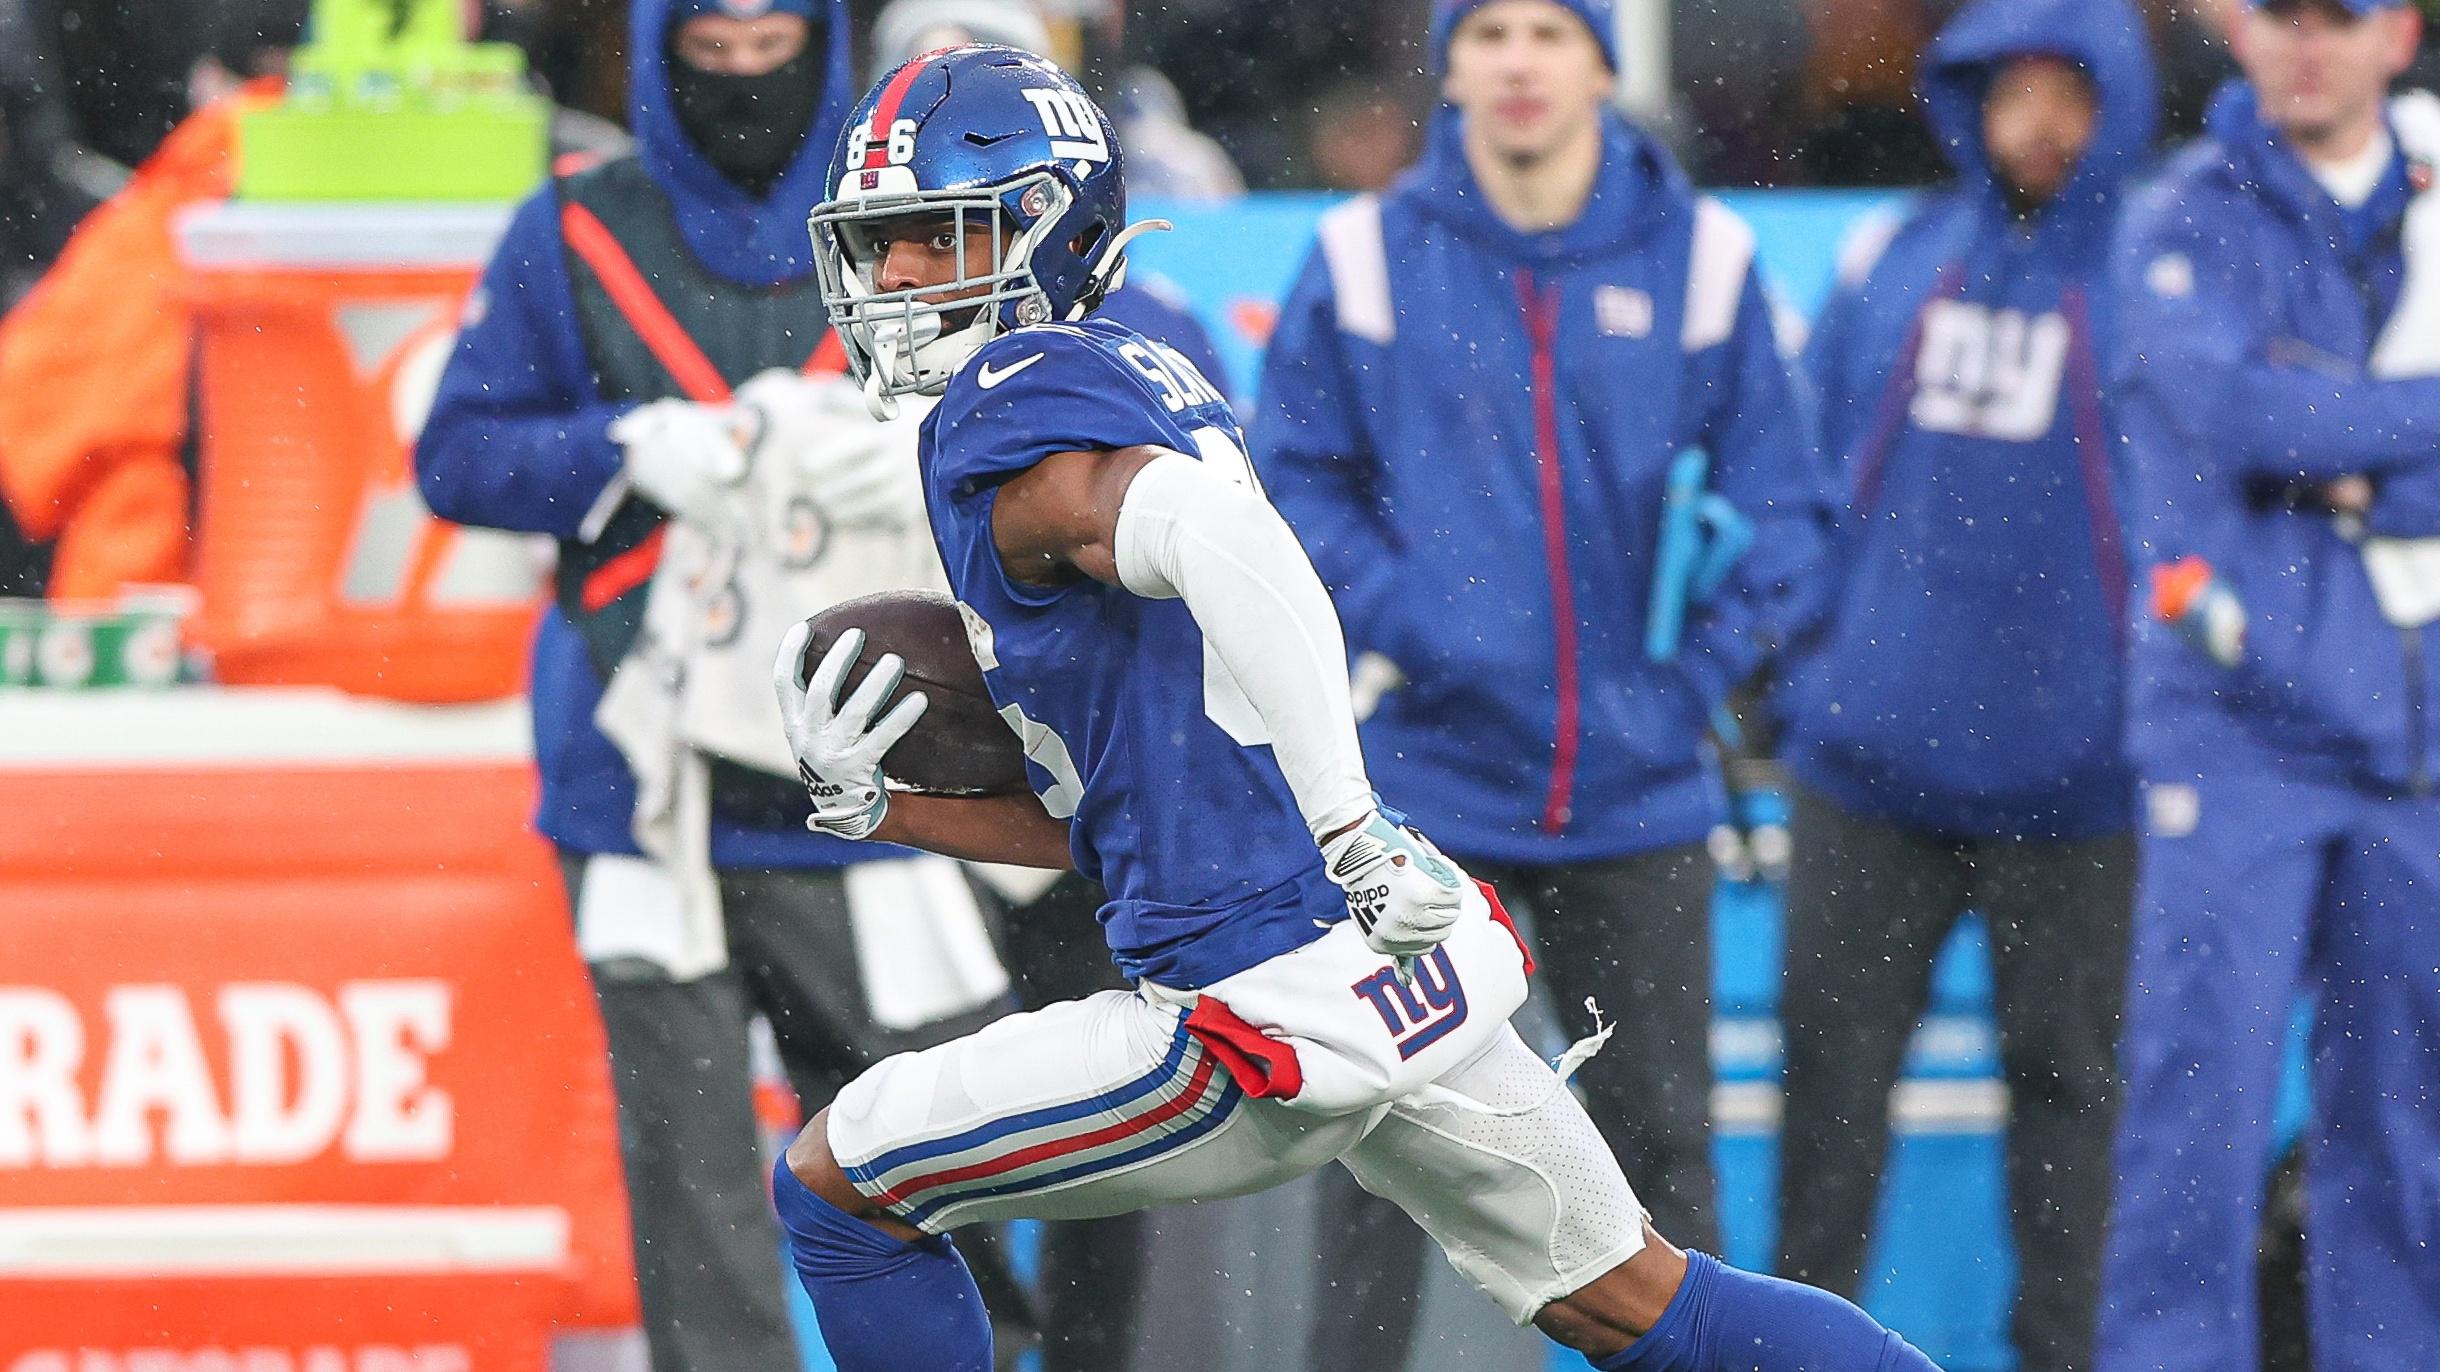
column 1572, row 1326
column 809, row 1160
column 886, row 1297
column 1619, row 1306
column 819, row 1205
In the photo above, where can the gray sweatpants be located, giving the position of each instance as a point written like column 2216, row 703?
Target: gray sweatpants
column 706, row 1248
column 1869, row 905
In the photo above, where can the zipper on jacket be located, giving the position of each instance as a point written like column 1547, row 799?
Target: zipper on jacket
column 1541, row 325
column 2418, row 732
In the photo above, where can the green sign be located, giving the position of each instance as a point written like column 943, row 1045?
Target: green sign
column 133, row 644
column 388, row 101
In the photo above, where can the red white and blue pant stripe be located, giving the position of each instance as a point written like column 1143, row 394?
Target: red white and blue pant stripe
column 1162, row 1112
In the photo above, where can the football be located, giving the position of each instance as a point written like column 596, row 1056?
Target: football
column 961, row 746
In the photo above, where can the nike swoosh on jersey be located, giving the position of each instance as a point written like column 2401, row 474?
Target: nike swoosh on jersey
column 986, row 378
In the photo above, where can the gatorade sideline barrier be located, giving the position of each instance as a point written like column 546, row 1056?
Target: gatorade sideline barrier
column 323, row 333
column 298, row 1068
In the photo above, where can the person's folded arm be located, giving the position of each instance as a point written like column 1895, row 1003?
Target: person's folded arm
column 2253, row 405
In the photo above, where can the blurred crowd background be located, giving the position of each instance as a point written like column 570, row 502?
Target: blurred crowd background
column 1762, row 92
column 1757, row 92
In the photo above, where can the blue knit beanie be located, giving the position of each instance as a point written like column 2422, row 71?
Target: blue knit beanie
column 684, row 10
column 1596, row 15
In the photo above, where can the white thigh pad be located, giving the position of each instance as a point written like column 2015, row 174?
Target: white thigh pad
column 1507, row 1173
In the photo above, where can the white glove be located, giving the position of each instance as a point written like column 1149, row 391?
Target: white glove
column 859, row 471
column 839, row 747
column 1402, row 893
column 684, row 457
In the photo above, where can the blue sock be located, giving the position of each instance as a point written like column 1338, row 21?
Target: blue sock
column 1724, row 1320
column 883, row 1305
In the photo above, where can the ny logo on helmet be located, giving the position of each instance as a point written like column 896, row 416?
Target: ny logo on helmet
column 1073, row 124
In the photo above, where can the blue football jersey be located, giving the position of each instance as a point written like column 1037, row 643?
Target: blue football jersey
column 1134, row 729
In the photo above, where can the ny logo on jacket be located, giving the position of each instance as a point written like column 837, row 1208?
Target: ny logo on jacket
column 1989, row 373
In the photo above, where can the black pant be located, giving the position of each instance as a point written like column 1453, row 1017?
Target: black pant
column 706, row 1248
column 1634, row 935
column 1869, row 905
column 1092, row 1270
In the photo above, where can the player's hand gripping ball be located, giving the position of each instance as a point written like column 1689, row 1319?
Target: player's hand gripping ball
column 964, row 747
column 839, row 743
column 1403, row 894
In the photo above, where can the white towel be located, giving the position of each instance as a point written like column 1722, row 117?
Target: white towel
column 1018, row 886
column 745, row 598
column 630, row 907
column 2405, row 572
column 921, row 947
column 697, row 682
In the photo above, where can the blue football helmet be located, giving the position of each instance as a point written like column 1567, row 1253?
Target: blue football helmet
column 977, row 135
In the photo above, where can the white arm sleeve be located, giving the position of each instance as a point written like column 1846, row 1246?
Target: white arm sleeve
column 1187, row 533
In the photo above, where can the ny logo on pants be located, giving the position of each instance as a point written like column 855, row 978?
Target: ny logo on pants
column 1416, row 1024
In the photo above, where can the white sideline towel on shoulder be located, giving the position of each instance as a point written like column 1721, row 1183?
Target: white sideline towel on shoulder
column 1019, row 886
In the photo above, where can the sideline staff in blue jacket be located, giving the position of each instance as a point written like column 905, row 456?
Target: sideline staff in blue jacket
column 2281, row 409
column 1469, row 412
column 1956, row 736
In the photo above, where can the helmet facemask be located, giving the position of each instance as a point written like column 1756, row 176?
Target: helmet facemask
column 912, row 341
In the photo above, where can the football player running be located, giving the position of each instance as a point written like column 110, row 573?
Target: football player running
column 1314, row 981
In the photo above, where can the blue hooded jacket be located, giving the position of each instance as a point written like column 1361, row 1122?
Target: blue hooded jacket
column 2250, row 304
column 1969, row 683
column 519, row 433
column 1471, row 429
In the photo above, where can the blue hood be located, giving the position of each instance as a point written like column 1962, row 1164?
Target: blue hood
column 2234, row 120
column 751, row 242
column 1897, row 710
column 2104, row 37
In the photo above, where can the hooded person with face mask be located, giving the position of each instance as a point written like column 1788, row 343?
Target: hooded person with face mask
column 747, row 119
column 645, row 359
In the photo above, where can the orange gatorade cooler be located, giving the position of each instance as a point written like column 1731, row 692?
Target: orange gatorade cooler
column 323, row 330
